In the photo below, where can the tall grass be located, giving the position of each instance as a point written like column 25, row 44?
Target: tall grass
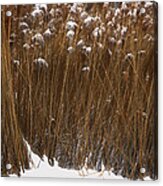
column 99, row 105
column 12, row 147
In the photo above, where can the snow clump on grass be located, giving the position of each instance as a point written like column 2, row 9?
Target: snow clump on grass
column 47, row 33
column 17, row 62
column 70, row 49
column 70, row 34
column 40, row 61
column 38, row 39
column 71, row 25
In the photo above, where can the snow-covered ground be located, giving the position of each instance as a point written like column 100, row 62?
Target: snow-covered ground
column 41, row 168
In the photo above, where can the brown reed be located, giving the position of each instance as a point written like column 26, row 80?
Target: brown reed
column 107, row 113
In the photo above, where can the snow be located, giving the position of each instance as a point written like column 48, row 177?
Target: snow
column 112, row 40
column 100, row 45
column 118, row 27
column 58, row 11
column 124, row 6
column 150, row 39
column 119, row 42
column 47, row 33
column 37, row 13
column 113, row 20
column 88, row 49
column 83, row 15
column 97, row 32
column 148, row 4
column 70, row 34
column 71, row 25
column 141, row 52
column 86, row 69
column 73, row 8
column 71, row 49
column 110, row 23
column 52, row 119
column 41, row 61
column 106, row 4
column 147, row 37
column 23, row 25
column 80, row 43
column 13, row 35
column 135, row 12
column 135, row 40
column 17, row 62
column 38, row 39
column 129, row 13
column 25, row 31
column 129, row 55
column 45, row 170
column 26, row 46
column 124, row 30
column 52, row 12
column 37, row 36
column 42, row 6
column 147, row 77
column 144, row 114
column 110, row 52
column 88, row 21
column 97, row 18
column 117, row 12
column 41, row 168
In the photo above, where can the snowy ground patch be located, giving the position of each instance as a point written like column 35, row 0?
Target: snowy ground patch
column 41, row 168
